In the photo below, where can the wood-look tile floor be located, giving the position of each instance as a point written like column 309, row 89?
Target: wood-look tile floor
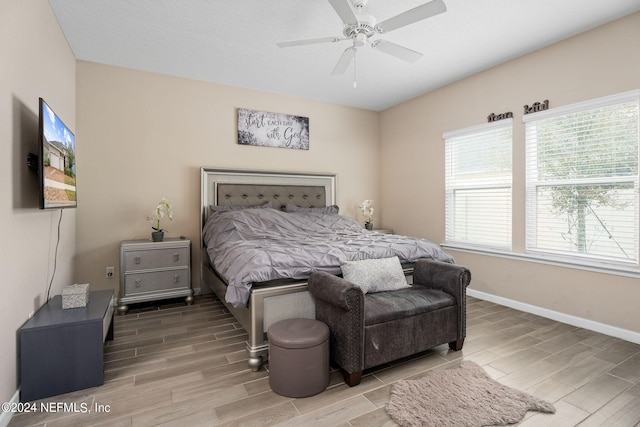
column 186, row 366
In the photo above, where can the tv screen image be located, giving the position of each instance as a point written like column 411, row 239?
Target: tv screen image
column 57, row 161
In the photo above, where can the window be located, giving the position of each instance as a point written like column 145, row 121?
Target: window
column 582, row 180
column 478, row 185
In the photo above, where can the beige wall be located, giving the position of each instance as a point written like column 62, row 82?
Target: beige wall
column 143, row 136
column 600, row 62
column 35, row 61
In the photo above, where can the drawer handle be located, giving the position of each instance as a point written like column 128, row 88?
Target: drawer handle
column 137, row 260
column 138, row 283
column 176, row 256
column 176, row 279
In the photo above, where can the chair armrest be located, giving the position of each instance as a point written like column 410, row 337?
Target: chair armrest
column 335, row 290
column 340, row 305
column 451, row 278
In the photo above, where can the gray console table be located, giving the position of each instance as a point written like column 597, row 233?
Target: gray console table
column 62, row 350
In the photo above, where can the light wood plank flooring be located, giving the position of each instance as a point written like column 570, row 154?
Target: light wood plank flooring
column 185, row 366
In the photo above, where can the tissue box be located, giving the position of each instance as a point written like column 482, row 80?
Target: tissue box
column 74, row 296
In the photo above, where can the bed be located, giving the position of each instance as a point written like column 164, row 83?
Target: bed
column 245, row 228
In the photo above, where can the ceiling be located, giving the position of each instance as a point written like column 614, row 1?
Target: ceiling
column 234, row 42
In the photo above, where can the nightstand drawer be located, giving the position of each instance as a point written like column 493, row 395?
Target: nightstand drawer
column 155, row 258
column 155, row 281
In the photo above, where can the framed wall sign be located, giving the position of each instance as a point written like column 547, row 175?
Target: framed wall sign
column 266, row 129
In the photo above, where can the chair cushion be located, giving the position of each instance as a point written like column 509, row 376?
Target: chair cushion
column 391, row 305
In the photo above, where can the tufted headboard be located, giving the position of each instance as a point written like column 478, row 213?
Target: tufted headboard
column 247, row 188
column 279, row 195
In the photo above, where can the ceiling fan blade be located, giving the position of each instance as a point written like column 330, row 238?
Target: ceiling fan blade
column 344, row 61
column 396, row 50
column 309, row 41
column 416, row 14
column 345, row 11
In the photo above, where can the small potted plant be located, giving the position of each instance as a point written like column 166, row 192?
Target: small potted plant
column 162, row 210
column 367, row 211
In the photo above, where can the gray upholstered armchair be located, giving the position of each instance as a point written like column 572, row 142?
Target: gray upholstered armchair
column 371, row 329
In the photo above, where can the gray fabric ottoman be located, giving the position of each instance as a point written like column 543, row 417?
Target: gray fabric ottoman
column 298, row 357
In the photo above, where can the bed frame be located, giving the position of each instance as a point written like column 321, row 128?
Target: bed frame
column 276, row 300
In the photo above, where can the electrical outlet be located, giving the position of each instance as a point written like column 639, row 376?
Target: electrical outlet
column 110, row 272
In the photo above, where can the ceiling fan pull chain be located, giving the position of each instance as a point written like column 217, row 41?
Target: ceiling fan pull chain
column 355, row 84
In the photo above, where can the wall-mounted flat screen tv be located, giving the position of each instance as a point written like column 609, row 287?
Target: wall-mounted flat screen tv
column 56, row 161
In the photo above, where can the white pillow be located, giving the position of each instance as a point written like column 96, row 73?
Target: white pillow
column 375, row 275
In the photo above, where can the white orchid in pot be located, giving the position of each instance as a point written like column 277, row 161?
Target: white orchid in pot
column 367, row 211
column 161, row 211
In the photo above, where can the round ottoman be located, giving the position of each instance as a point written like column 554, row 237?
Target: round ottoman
column 298, row 357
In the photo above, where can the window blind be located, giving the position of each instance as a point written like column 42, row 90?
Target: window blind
column 478, row 185
column 582, row 179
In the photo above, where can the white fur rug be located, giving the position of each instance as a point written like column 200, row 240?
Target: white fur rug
column 464, row 396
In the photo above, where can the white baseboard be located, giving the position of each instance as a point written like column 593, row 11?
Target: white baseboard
column 5, row 417
column 569, row 319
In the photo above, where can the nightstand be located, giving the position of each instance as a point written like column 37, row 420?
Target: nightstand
column 152, row 271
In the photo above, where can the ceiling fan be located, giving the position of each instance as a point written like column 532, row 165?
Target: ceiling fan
column 360, row 28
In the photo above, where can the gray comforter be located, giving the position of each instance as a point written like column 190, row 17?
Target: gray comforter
column 258, row 245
